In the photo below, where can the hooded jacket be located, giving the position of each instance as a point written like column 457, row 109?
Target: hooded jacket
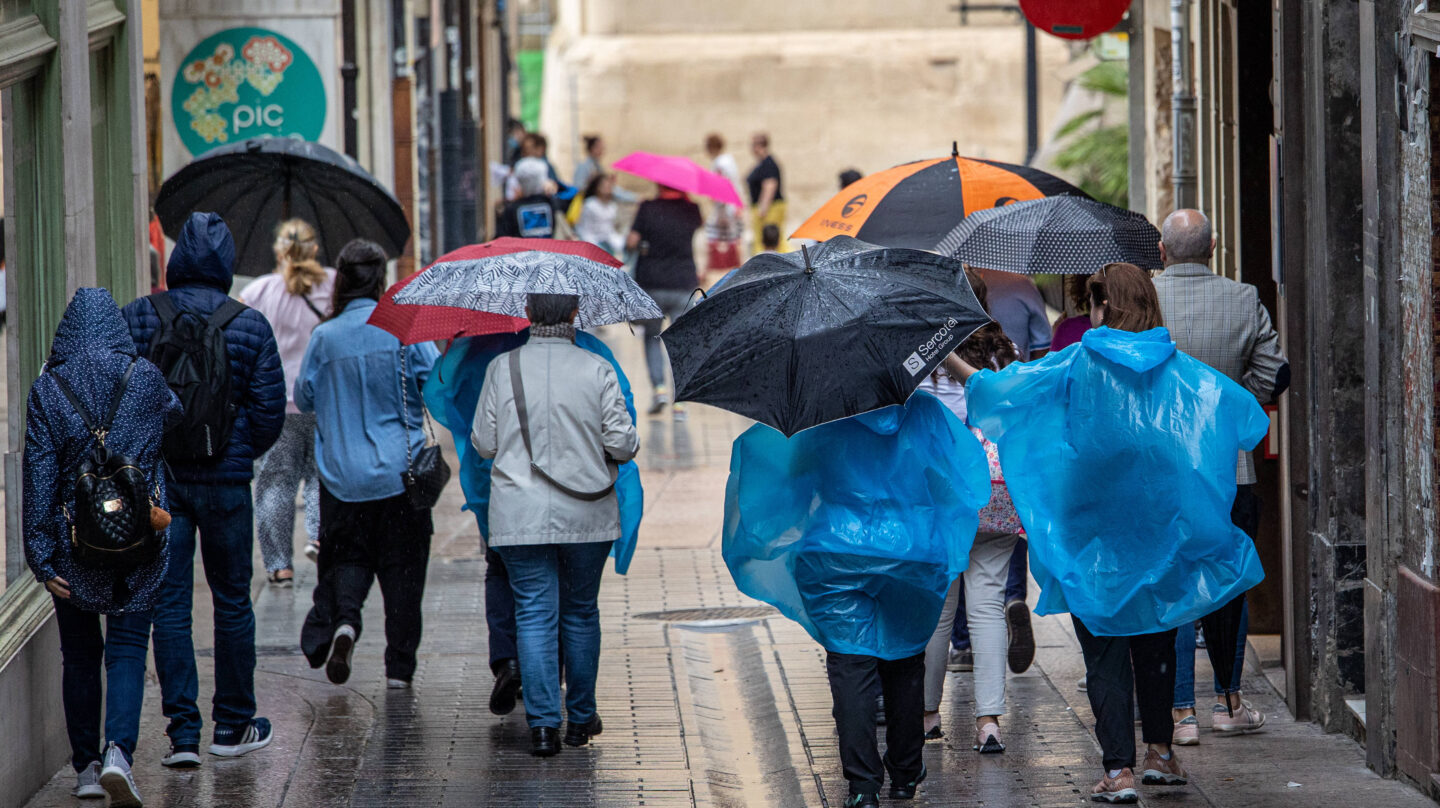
column 91, row 351
column 1119, row 453
column 855, row 528
column 199, row 276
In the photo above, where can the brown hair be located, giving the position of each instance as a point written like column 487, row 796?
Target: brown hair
column 714, row 143
column 988, row 348
column 1128, row 296
column 295, row 251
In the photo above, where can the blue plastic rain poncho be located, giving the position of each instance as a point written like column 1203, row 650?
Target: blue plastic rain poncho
column 453, row 393
column 855, row 528
column 1120, row 455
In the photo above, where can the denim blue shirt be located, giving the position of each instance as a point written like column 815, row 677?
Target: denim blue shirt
column 350, row 379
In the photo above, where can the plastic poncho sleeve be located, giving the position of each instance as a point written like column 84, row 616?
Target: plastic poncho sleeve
column 453, row 392
column 855, row 529
column 1119, row 454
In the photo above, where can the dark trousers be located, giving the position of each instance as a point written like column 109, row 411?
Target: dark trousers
column 223, row 518
column 122, row 646
column 1017, row 586
column 1118, row 672
column 854, row 679
column 360, row 542
column 499, row 610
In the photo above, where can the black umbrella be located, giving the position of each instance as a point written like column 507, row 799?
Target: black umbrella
column 260, row 182
column 800, row 339
column 1222, row 632
column 1058, row 234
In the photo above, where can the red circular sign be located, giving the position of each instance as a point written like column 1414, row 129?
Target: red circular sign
column 1074, row 19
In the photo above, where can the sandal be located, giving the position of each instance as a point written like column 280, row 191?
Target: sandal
column 283, row 577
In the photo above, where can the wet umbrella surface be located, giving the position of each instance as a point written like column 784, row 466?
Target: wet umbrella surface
column 794, row 344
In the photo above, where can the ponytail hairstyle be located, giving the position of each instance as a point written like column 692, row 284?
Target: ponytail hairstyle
column 359, row 274
column 295, row 251
column 988, row 348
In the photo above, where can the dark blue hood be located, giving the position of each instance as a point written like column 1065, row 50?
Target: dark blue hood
column 204, row 253
column 92, row 324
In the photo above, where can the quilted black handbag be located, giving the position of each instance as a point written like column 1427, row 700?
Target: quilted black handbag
column 110, row 527
column 426, row 471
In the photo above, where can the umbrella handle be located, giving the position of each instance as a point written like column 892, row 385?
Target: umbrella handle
column 805, row 251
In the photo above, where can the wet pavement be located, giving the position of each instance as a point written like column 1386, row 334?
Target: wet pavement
column 708, row 698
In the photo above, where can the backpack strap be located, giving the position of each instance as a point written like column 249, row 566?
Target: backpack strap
column 75, row 402
column 103, row 428
column 228, row 311
column 164, row 307
column 119, row 394
column 518, row 388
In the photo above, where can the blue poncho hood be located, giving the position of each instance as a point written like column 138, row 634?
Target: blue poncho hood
column 855, row 528
column 204, row 253
column 1119, row 453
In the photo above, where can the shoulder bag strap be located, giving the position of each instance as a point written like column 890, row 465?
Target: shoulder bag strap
column 522, row 412
column 119, row 395
column 319, row 315
column 405, row 408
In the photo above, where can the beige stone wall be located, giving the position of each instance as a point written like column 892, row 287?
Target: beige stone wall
column 830, row 99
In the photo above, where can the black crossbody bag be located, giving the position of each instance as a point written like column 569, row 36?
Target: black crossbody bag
column 426, row 471
column 518, row 386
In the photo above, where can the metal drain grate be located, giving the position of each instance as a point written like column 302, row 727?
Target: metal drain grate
column 714, row 613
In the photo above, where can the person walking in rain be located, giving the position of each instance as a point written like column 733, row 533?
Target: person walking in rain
column 295, row 298
column 902, row 482
column 664, row 233
column 1080, row 432
column 93, row 366
column 364, row 388
column 210, row 459
column 1223, row 324
column 767, row 192
column 553, row 418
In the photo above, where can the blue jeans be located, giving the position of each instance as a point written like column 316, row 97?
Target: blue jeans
column 1017, row 585
column 556, row 586
column 223, row 515
column 499, row 610
column 1185, row 662
column 122, row 647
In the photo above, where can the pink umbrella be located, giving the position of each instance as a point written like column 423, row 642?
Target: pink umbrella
column 680, row 173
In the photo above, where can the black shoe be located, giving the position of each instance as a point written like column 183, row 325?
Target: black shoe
column 580, row 734
column 507, row 687
column 544, row 741
column 906, row 791
column 342, row 645
column 1022, row 636
column 862, row 801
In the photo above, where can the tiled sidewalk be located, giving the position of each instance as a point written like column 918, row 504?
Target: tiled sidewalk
column 713, row 708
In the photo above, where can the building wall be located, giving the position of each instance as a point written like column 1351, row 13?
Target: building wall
column 830, row 99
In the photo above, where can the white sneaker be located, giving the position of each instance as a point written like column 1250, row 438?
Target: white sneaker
column 397, row 684
column 87, row 782
column 117, row 781
column 312, row 550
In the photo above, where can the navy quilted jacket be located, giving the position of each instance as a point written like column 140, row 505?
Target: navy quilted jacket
column 91, row 351
column 199, row 275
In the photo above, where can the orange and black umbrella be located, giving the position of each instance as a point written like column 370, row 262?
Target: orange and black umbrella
column 918, row 204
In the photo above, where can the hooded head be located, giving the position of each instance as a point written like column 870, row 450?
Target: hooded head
column 92, row 324
column 204, row 253
column 884, row 421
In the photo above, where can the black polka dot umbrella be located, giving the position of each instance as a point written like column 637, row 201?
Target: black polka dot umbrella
column 1059, row 234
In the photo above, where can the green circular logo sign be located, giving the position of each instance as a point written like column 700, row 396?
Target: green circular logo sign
column 246, row 82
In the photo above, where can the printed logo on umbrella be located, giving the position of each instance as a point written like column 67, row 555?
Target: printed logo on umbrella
column 854, row 205
column 915, row 362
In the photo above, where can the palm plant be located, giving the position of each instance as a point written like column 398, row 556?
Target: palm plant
column 1099, row 153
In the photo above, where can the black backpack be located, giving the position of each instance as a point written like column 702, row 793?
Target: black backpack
column 191, row 352
column 110, row 528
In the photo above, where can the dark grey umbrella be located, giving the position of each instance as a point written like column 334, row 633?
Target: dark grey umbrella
column 800, row 339
column 1059, row 234
column 258, row 183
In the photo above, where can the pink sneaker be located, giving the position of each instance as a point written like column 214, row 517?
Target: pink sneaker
column 1116, row 790
column 1246, row 719
column 1187, row 732
column 1157, row 771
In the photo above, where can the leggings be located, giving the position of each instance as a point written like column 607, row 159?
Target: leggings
column 278, row 475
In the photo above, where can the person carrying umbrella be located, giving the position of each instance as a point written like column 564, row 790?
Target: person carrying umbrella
column 554, row 421
column 664, row 233
column 1119, row 454
column 531, row 211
